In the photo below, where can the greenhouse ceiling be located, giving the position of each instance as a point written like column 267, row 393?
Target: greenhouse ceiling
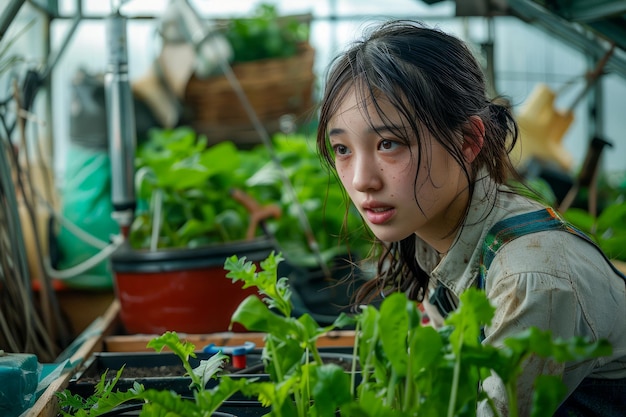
column 590, row 26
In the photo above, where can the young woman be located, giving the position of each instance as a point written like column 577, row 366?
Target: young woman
column 423, row 155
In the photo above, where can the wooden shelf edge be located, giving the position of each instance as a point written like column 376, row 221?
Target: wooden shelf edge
column 137, row 343
column 47, row 404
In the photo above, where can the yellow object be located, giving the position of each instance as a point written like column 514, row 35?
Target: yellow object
column 542, row 128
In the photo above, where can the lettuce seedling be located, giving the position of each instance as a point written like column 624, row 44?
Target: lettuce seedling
column 406, row 368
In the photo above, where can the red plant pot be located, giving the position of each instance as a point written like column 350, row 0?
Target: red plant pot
column 182, row 290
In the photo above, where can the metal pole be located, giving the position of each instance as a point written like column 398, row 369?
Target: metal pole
column 120, row 123
column 8, row 15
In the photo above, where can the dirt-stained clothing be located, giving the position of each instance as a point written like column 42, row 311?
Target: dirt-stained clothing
column 553, row 280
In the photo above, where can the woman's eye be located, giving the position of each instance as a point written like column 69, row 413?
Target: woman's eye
column 388, row 145
column 340, row 149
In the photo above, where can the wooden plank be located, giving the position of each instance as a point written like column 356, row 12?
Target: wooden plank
column 47, row 404
column 137, row 343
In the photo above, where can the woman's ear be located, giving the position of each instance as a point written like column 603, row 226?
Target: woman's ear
column 473, row 139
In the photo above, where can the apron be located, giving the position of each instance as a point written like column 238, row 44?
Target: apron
column 593, row 397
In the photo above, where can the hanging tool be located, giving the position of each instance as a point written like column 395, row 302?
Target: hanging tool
column 542, row 126
column 587, row 178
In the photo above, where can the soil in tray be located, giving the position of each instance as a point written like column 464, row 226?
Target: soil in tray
column 164, row 370
column 148, row 366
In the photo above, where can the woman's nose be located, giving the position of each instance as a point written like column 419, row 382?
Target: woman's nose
column 366, row 175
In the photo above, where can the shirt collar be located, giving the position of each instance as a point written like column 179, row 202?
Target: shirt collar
column 460, row 266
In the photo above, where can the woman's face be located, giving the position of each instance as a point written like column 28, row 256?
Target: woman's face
column 379, row 171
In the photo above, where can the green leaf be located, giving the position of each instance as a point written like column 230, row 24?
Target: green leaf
column 183, row 349
column 548, row 394
column 208, row 401
column 255, row 316
column 266, row 280
column 168, row 403
column 425, row 347
column 395, row 322
column 613, row 217
column 223, row 157
column 614, row 247
column 474, row 312
column 208, row 369
column 331, row 388
column 170, row 339
column 540, row 342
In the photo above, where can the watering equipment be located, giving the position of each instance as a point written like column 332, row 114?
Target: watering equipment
column 120, row 122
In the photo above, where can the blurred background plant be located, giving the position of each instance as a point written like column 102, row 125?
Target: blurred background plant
column 184, row 191
column 264, row 34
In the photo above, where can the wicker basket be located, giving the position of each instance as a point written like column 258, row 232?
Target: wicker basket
column 274, row 87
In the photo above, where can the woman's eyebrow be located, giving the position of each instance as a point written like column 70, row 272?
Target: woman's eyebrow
column 383, row 128
column 336, row 131
column 371, row 129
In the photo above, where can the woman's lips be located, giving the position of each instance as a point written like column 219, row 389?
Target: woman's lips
column 379, row 215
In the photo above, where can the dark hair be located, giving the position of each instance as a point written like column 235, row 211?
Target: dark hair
column 435, row 83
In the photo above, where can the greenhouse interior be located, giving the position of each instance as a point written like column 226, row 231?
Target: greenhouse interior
column 187, row 180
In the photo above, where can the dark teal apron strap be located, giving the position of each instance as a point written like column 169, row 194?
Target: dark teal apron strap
column 537, row 221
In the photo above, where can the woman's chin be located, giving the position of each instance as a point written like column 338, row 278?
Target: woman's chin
column 386, row 234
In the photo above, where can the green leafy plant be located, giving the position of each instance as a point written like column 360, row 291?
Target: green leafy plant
column 183, row 189
column 184, row 194
column 404, row 367
column 265, row 35
column 298, row 374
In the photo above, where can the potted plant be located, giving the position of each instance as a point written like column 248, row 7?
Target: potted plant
column 198, row 204
column 273, row 63
column 406, row 367
column 169, row 275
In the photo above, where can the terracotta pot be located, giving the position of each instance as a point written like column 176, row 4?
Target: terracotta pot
column 183, row 290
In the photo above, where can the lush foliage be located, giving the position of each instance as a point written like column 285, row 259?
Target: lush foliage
column 404, row 367
column 183, row 191
column 336, row 229
column 184, row 186
column 265, row 35
column 608, row 229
